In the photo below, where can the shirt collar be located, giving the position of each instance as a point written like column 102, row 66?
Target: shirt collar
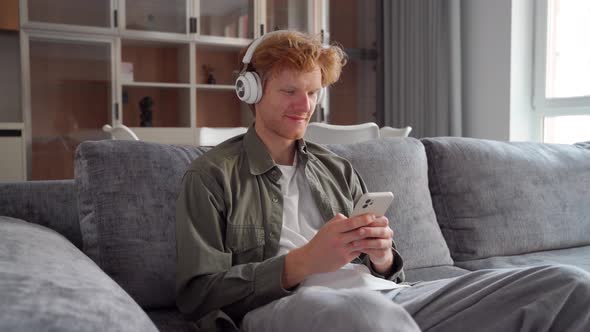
column 258, row 157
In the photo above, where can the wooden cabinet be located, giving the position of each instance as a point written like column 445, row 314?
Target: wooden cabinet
column 164, row 68
column 71, row 94
column 9, row 15
column 354, row 25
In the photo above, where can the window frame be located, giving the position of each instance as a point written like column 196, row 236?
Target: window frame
column 549, row 107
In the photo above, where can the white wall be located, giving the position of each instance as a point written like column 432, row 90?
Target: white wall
column 522, row 127
column 497, row 57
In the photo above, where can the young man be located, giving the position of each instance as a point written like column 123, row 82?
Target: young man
column 264, row 243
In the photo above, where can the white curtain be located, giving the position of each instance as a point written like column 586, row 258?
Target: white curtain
column 422, row 66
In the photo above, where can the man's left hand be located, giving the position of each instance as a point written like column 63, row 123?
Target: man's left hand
column 377, row 244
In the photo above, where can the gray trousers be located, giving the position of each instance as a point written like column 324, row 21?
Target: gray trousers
column 542, row 298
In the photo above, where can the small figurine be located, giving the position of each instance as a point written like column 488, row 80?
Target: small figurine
column 145, row 109
column 209, row 78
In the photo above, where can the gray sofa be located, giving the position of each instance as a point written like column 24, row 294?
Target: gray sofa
column 98, row 253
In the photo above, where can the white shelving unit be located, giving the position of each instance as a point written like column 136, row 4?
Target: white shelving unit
column 75, row 61
column 12, row 166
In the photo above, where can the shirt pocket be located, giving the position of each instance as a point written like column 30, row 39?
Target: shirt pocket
column 246, row 244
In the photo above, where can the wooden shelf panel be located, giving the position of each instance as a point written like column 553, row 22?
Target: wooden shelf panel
column 171, row 106
column 9, row 19
column 224, row 63
column 157, row 84
column 157, row 61
column 218, row 108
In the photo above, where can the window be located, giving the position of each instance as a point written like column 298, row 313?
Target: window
column 562, row 70
column 566, row 129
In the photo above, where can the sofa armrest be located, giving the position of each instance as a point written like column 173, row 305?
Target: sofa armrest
column 47, row 284
column 52, row 204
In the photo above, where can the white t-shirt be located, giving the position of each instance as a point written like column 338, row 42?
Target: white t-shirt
column 302, row 220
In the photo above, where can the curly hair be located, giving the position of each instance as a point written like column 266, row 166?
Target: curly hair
column 293, row 50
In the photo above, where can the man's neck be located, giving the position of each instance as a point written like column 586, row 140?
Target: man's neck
column 281, row 150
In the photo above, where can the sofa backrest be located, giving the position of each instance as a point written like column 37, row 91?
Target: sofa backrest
column 127, row 203
column 506, row 198
column 399, row 165
column 128, row 190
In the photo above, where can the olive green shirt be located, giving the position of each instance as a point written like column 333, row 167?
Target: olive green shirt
column 229, row 216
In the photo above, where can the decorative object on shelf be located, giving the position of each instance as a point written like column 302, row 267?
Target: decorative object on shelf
column 209, row 78
column 151, row 22
column 120, row 132
column 127, row 71
column 125, row 97
column 145, row 109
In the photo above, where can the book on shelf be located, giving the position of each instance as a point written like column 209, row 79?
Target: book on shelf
column 230, row 30
column 243, row 26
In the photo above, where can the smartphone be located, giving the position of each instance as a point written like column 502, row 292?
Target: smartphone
column 376, row 203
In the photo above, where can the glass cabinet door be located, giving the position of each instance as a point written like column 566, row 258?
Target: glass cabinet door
column 155, row 80
column 92, row 13
column 217, row 104
column 354, row 97
column 71, row 99
column 226, row 18
column 287, row 14
column 157, row 15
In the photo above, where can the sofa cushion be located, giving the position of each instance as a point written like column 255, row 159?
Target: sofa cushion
column 506, row 198
column 400, row 166
column 579, row 257
column 126, row 200
column 47, row 284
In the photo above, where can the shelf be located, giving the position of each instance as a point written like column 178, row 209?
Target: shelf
column 12, row 125
column 220, row 108
column 157, row 84
column 84, row 66
column 156, row 106
column 223, row 87
column 151, row 61
column 222, row 42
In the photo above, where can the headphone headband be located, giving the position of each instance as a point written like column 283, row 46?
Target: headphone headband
column 252, row 48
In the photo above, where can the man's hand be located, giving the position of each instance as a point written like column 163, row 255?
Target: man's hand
column 337, row 243
column 377, row 244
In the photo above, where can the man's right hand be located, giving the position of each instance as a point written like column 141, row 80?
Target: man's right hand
column 330, row 249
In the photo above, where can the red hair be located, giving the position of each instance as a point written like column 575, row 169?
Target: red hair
column 294, row 50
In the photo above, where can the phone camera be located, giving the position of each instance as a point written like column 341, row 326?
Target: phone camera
column 368, row 203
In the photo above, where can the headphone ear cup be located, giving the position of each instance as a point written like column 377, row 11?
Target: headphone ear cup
column 257, row 87
column 248, row 87
column 321, row 95
column 241, row 88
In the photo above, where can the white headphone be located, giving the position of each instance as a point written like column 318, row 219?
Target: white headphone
column 249, row 85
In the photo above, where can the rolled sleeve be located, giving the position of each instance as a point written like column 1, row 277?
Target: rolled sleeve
column 267, row 286
column 397, row 274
